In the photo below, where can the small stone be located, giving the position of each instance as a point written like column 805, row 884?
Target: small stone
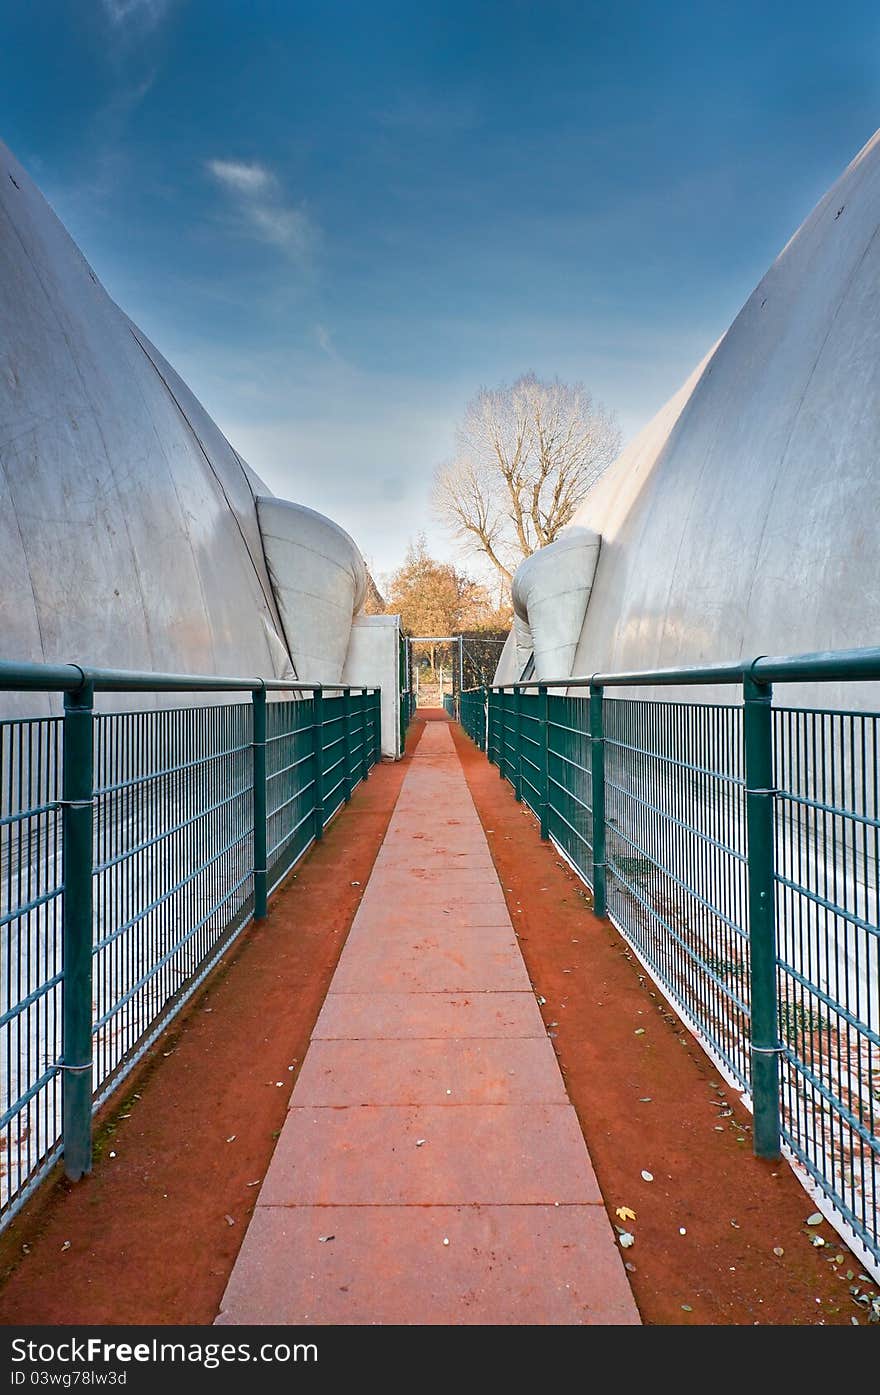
column 230, row 1220
column 682, row 1230
column 626, row 1240
column 686, row 1308
column 647, row 1176
column 778, row 1251
column 445, row 1239
column 815, row 1219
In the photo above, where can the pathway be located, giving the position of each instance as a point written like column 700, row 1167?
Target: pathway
column 431, row 1169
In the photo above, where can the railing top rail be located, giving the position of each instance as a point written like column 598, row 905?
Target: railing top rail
column 67, row 678
column 843, row 665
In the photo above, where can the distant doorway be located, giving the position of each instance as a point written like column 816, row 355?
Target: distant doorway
column 441, row 666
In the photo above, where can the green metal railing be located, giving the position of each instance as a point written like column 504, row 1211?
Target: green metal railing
column 134, row 847
column 473, row 704
column 737, row 848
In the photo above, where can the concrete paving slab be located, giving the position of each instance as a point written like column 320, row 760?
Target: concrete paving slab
column 408, row 1016
column 506, row 1265
column 453, row 966
column 369, row 1155
column 451, row 1072
column 382, row 915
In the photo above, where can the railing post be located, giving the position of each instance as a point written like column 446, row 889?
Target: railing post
column 318, row 753
column 346, row 744
column 517, row 767
column 77, row 853
column 365, row 756
column 491, row 742
column 258, row 709
column 377, row 726
column 503, row 762
column 597, row 763
column 760, row 794
column 544, row 759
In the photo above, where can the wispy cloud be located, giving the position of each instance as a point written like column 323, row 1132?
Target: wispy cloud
column 324, row 340
column 242, row 178
column 261, row 204
column 144, row 14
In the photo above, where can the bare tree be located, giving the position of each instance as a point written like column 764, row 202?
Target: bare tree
column 527, row 456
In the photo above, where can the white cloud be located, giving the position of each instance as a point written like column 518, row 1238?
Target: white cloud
column 324, row 340
column 242, row 178
column 260, row 201
column 145, row 13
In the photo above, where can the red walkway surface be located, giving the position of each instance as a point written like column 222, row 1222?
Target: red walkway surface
column 431, row 1168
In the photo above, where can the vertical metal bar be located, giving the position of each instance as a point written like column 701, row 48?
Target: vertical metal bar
column 517, row 754
column 543, row 759
column 460, row 672
column 758, row 741
column 597, row 763
column 77, row 854
column 377, row 725
column 403, row 680
column 318, row 754
column 346, row 744
column 258, row 712
column 487, row 704
column 365, row 750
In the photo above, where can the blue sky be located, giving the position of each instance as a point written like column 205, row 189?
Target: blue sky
column 339, row 220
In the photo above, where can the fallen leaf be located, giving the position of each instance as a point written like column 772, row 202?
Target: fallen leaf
column 625, row 1213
